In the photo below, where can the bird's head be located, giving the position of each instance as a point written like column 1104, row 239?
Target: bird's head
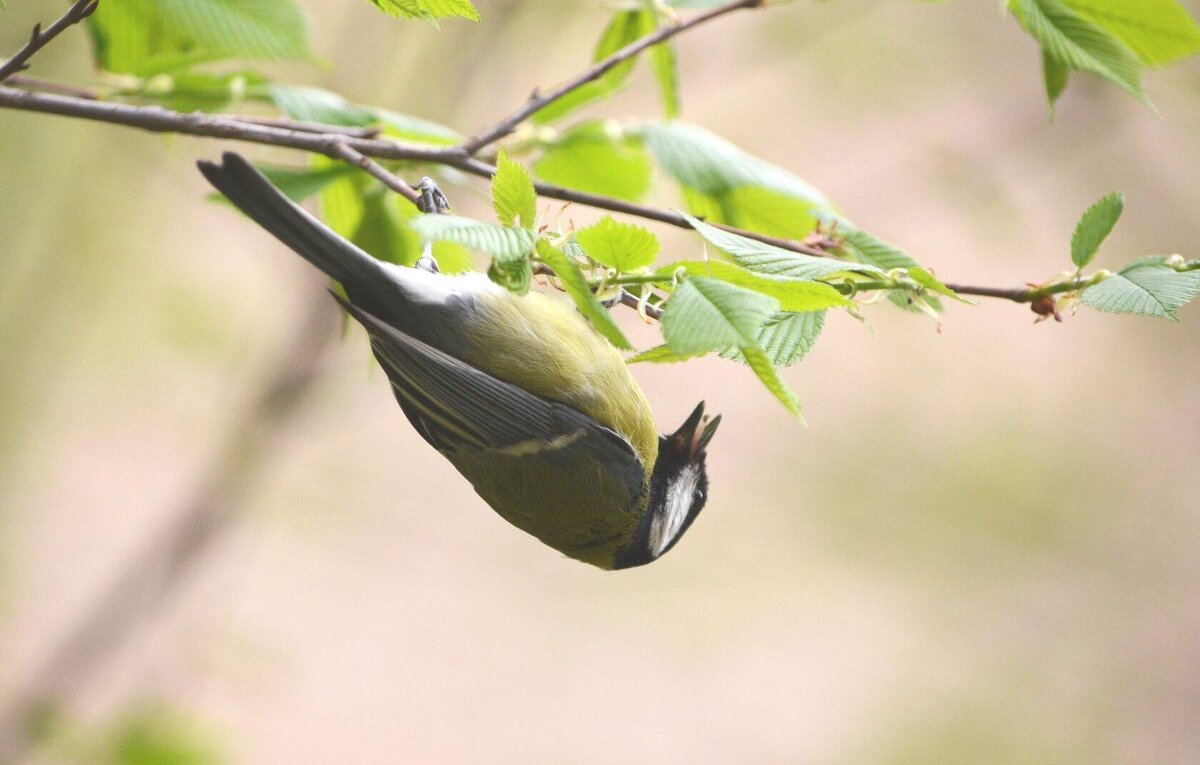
column 678, row 490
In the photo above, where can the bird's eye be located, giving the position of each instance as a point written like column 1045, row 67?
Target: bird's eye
column 698, row 495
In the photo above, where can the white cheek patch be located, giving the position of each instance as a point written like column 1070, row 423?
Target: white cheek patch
column 666, row 524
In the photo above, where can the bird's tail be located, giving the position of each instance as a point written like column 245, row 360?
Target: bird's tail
column 258, row 198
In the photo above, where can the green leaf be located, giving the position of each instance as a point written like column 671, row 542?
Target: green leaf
column 1148, row 287
column 769, row 259
column 504, row 243
column 625, row 28
column 513, row 196
column 307, row 104
column 316, row 105
column 797, row 295
column 711, row 315
column 623, row 246
column 158, row 735
column 1056, row 74
column 713, row 166
column 868, row 248
column 1158, row 31
column 1094, row 227
column 298, row 184
column 786, row 338
column 1079, row 43
column 187, row 91
column 428, row 9
column 592, row 158
column 662, row 354
column 576, row 285
column 769, row 375
column 755, row 209
column 145, row 37
column 409, row 128
column 666, row 71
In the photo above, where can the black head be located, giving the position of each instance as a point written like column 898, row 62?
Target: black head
column 678, row 490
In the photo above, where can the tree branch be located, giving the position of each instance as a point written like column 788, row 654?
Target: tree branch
column 344, row 152
column 78, row 11
column 597, row 70
column 356, row 149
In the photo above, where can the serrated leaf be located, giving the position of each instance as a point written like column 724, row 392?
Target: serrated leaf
column 933, row 284
column 868, row 248
column 769, row 375
column 769, row 259
column 662, row 354
column 795, row 295
column 576, row 285
column 1158, row 31
column 428, row 9
column 589, row 158
column 1147, row 287
column 711, row 315
column 1079, row 43
column 623, row 246
column 513, row 196
column 711, row 165
column 147, row 37
column 754, row 208
column 786, row 338
column 504, row 243
column 1095, row 226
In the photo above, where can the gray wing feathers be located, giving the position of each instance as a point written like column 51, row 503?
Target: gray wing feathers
column 461, row 406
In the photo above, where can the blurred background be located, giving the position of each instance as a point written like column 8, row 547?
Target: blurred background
column 984, row 548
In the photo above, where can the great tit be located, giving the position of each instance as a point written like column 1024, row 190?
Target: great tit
column 519, row 392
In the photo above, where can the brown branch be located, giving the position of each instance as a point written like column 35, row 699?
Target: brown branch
column 307, row 127
column 158, row 120
column 344, row 152
column 78, row 11
column 33, row 83
column 538, row 101
column 336, row 145
column 156, row 572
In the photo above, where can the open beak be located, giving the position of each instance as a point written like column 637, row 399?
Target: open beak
column 695, row 432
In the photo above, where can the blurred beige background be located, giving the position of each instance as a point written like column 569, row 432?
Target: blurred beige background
column 985, row 547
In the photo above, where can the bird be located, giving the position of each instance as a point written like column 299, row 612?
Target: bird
column 517, row 391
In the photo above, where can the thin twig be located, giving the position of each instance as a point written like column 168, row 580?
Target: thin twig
column 33, row 83
column 307, row 127
column 159, row 120
column 344, row 152
column 152, row 575
column 538, row 101
column 78, row 11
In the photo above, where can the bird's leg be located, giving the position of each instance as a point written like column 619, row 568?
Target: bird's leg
column 432, row 202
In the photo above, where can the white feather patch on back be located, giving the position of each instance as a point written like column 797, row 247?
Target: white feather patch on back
column 426, row 287
column 666, row 524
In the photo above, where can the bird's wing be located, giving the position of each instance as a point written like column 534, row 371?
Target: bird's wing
column 457, row 407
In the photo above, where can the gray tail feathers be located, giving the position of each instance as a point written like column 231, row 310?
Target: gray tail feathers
column 258, row 198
